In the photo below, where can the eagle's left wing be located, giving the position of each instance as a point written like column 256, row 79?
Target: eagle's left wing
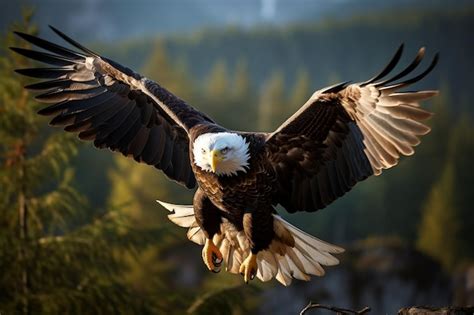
column 344, row 134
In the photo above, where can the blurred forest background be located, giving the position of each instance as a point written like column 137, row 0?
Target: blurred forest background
column 80, row 231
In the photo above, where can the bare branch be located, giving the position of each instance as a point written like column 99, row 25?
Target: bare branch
column 337, row 310
column 450, row 310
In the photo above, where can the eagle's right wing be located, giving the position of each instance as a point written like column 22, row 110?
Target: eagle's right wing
column 113, row 106
column 344, row 134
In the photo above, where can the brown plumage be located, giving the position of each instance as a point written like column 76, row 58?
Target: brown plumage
column 342, row 135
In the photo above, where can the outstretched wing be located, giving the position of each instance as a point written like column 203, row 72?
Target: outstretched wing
column 344, row 134
column 113, row 106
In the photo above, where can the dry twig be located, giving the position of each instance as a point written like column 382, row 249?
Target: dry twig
column 337, row 310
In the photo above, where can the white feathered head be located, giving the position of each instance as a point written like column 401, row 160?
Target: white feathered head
column 222, row 153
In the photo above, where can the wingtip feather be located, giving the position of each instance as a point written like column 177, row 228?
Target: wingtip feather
column 72, row 42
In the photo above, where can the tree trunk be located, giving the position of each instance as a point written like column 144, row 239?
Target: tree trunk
column 23, row 225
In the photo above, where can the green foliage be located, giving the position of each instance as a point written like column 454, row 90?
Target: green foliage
column 439, row 231
column 272, row 102
column 446, row 227
column 173, row 73
column 461, row 154
column 227, row 300
column 217, row 85
column 54, row 260
column 300, row 92
column 241, row 84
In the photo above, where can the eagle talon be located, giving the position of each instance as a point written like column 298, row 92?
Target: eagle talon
column 249, row 267
column 211, row 256
column 216, row 260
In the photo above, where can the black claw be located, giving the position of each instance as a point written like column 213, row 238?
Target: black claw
column 216, row 270
column 216, row 260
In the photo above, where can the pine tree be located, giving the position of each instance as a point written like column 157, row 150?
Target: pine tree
column 272, row 102
column 440, row 226
column 301, row 91
column 172, row 74
column 242, row 86
column 54, row 261
column 461, row 152
column 218, row 81
column 239, row 104
column 158, row 65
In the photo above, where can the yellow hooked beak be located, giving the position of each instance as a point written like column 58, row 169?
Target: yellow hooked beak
column 216, row 158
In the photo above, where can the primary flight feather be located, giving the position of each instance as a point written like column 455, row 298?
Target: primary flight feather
column 340, row 136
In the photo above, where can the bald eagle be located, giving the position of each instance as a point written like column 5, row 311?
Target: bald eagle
column 340, row 136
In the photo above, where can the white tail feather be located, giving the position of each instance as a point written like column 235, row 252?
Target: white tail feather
column 299, row 261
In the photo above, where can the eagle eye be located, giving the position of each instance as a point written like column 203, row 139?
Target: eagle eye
column 225, row 150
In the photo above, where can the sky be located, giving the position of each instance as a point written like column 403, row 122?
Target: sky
column 110, row 20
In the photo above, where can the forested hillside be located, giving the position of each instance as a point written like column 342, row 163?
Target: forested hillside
column 350, row 49
column 253, row 80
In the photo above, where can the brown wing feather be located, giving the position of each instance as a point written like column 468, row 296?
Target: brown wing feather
column 113, row 106
column 345, row 134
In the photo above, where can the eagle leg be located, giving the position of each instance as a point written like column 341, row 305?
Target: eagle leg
column 249, row 267
column 209, row 219
column 212, row 256
column 258, row 228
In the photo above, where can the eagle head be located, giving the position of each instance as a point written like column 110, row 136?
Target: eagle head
column 222, row 153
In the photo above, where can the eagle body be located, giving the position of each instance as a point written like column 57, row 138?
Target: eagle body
column 231, row 197
column 233, row 193
column 342, row 135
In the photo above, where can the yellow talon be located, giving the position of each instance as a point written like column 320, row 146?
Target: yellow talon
column 211, row 256
column 249, row 267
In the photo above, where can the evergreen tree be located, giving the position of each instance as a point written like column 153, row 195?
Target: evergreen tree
column 301, row 91
column 172, row 74
column 272, row 102
column 218, row 81
column 53, row 261
column 440, row 226
column 183, row 82
column 240, row 105
column 461, row 152
column 158, row 65
column 242, row 86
